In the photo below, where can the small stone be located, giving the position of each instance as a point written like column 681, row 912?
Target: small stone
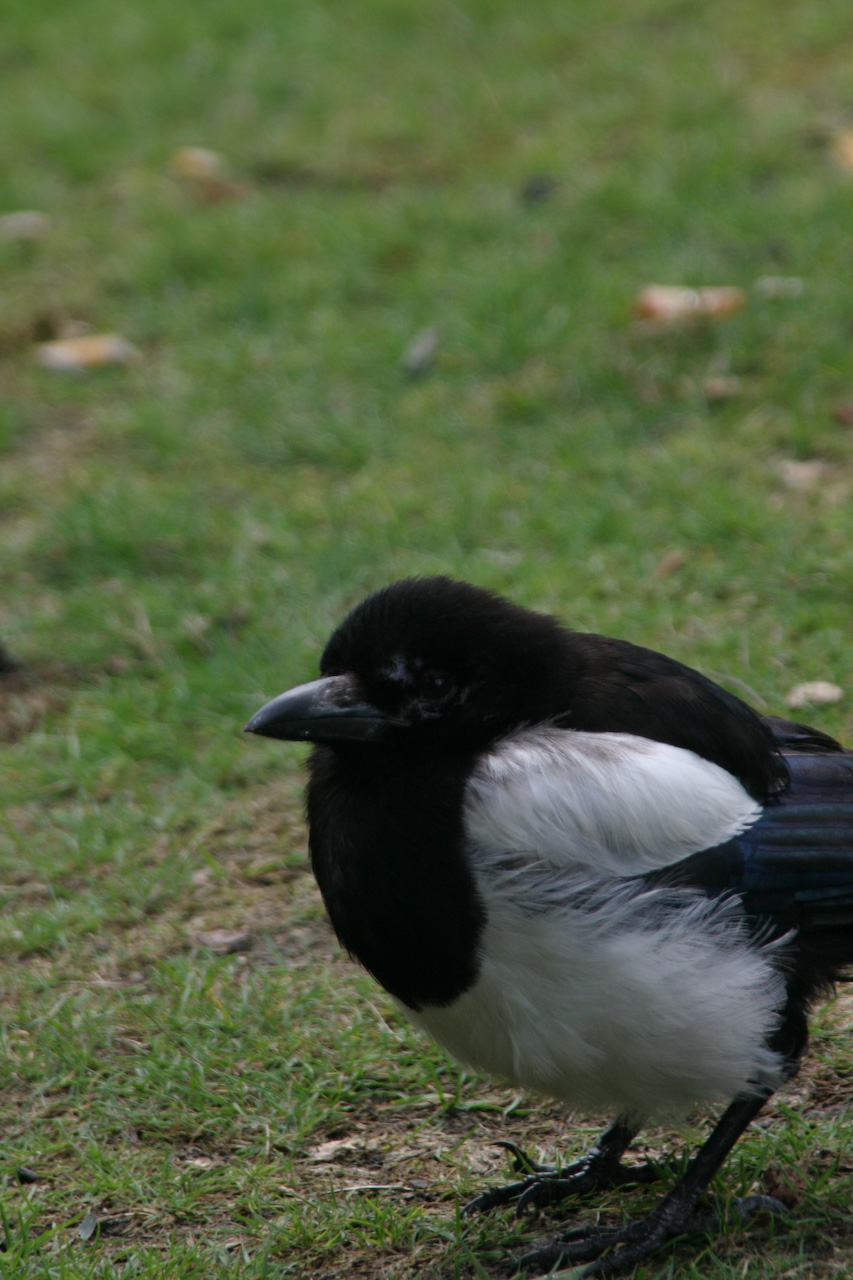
column 815, row 693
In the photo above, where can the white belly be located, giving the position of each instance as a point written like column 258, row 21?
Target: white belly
column 611, row 1006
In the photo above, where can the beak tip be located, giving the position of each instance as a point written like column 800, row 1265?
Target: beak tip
column 255, row 727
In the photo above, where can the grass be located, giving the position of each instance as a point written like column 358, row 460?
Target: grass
column 179, row 537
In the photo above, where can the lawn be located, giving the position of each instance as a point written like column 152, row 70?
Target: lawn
column 194, row 1080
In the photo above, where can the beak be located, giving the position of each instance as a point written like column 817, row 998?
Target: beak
column 327, row 710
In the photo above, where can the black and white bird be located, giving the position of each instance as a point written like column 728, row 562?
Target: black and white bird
column 581, row 867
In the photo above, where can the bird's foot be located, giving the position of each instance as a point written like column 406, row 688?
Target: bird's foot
column 547, row 1184
column 614, row 1251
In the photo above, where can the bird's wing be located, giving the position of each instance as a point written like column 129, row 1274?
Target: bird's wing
column 797, row 738
column 623, row 688
column 795, row 865
column 609, row 803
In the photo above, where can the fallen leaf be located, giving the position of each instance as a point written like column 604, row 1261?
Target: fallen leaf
column 93, row 351
column 223, row 942
column 88, row 1227
column 192, row 163
column 803, row 476
column 723, row 387
column 204, row 173
column 842, row 149
column 843, row 413
column 673, row 304
column 338, row 1149
column 24, row 224
column 816, row 693
column 787, row 1187
column 668, row 563
column 420, row 354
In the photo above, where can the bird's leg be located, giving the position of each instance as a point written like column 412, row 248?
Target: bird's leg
column 599, row 1167
column 614, row 1251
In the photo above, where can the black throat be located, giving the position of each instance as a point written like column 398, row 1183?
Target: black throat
column 386, row 840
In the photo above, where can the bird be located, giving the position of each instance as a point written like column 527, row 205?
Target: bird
column 583, row 868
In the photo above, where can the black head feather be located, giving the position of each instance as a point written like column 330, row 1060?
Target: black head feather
column 460, row 667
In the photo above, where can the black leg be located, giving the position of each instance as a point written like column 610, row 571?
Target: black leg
column 601, row 1166
column 677, row 1214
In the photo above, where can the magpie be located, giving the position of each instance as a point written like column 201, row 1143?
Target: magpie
column 581, row 867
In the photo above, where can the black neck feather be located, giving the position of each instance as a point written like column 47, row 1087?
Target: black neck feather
column 386, row 848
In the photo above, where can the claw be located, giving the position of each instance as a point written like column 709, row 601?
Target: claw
column 614, row 1251
column 521, row 1162
column 550, row 1191
column 543, row 1184
column 747, row 1206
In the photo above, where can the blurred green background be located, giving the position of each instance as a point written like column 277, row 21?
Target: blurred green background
column 179, row 535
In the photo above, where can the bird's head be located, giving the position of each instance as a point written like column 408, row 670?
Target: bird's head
column 425, row 664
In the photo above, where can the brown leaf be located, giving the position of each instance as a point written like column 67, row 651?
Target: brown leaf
column 722, row 387
column 669, row 562
column 204, row 174
column 815, row 693
column 223, row 942
column 193, row 163
column 337, row 1150
column 842, row 149
column 786, row 1186
column 94, row 351
column 673, row 304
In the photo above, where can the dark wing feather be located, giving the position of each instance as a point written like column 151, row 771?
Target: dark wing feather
column 620, row 687
column 794, row 867
column 793, row 737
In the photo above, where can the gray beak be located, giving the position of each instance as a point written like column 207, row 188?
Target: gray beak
column 327, row 710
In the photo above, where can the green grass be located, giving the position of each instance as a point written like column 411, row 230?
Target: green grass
column 178, row 538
